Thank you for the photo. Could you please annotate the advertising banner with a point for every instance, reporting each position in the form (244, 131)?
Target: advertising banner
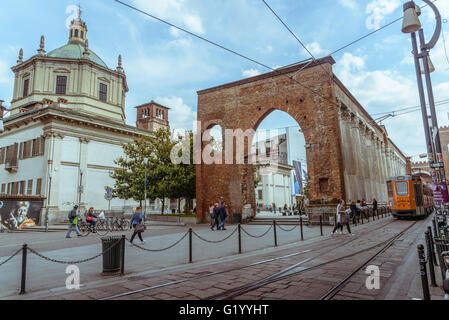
(17, 214)
(440, 194)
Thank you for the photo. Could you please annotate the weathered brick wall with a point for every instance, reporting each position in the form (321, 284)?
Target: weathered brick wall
(244, 104)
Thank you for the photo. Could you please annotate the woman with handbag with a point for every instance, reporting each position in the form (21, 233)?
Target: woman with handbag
(136, 223)
(344, 220)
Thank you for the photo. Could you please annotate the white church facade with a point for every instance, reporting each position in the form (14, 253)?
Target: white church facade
(66, 126)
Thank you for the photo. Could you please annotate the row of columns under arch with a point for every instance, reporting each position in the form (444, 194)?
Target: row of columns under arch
(369, 158)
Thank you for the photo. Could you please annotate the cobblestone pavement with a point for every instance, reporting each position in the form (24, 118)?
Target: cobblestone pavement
(215, 278)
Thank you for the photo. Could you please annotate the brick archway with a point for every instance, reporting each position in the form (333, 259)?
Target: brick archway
(244, 104)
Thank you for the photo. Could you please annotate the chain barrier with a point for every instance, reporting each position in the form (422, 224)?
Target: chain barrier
(257, 236)
(215, 241)
(72, 262)
(13, 255)
(158, 250)
(279, 226)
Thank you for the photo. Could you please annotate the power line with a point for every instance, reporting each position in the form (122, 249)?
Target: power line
(408, 108)
(226, 49)
(294, 35)
(444, 44)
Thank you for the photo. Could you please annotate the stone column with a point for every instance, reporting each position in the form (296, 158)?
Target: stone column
(52, 158)
(83, 168)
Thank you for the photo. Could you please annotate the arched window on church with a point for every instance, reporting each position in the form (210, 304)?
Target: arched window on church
(76, 33)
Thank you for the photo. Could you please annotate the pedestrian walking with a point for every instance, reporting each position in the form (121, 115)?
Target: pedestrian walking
(344, 219)
(340, 210)
(375, 206)
(223, 216)
(136, 224)
(216, 213)
(73, 222)
(353, 208)
(212, 216)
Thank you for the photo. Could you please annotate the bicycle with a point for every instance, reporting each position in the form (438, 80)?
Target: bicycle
(120, 224)
(102, 227)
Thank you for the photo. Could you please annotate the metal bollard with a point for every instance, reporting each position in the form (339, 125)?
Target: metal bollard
(423, 270)
(432, 245)
(361, 216)
(190, 245)
(122, 265)
(321, 225)
(240, 237)
(302, 233)
(275, 234)
(435, 228)
(24, 268)
(429, 258)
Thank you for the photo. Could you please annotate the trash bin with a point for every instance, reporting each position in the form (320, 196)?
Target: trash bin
(112, 257)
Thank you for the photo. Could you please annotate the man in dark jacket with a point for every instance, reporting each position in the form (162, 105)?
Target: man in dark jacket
(216, 214)
(72, 215)
(223, 216)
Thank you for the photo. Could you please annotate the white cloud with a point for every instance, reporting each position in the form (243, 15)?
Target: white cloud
(351, 4)
(378, 10)
(386, 87)
(180, 115)
(250, 73)
(315, 49)
(4, 72)
(174, 10)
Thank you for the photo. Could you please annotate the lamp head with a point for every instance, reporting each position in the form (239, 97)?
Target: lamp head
(411, 23)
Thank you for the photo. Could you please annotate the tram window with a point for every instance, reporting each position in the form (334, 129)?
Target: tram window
(390, 189)
(402, 188)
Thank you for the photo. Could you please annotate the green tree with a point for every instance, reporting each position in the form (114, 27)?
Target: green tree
(165, 179)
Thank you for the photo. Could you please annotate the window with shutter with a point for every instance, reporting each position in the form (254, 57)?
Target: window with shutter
(22, 187)
(38, 186)
(9, 188)
(15, 188)
(42, 146)
(3, 188)
(30, 187)
(26, 84)
(61, 84)
(21, 151)
(35, 148)
(103, 92)
(2, 155)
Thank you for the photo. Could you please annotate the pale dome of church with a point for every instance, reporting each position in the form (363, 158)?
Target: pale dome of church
(75, 51)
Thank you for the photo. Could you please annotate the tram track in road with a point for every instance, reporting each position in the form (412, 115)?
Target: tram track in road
(291, 272)
(331, 246)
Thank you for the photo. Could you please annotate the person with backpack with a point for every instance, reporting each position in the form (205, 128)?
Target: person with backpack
(73, 222)
(136, 224)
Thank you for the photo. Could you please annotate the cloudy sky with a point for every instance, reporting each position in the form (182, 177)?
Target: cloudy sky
(169, 66)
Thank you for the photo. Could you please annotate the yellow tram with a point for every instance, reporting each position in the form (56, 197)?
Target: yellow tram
(409, 196)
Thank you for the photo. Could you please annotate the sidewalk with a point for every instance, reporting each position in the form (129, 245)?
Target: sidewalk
(46, 275)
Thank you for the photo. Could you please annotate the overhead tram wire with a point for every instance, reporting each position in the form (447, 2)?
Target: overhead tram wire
(257, 62)
(296, 37)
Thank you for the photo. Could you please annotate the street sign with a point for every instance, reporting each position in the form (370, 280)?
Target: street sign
(436, 165)
(108, 194)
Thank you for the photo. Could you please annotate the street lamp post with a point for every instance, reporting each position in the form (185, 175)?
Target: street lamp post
(411, 24)
(145, 160)
(80, 190)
